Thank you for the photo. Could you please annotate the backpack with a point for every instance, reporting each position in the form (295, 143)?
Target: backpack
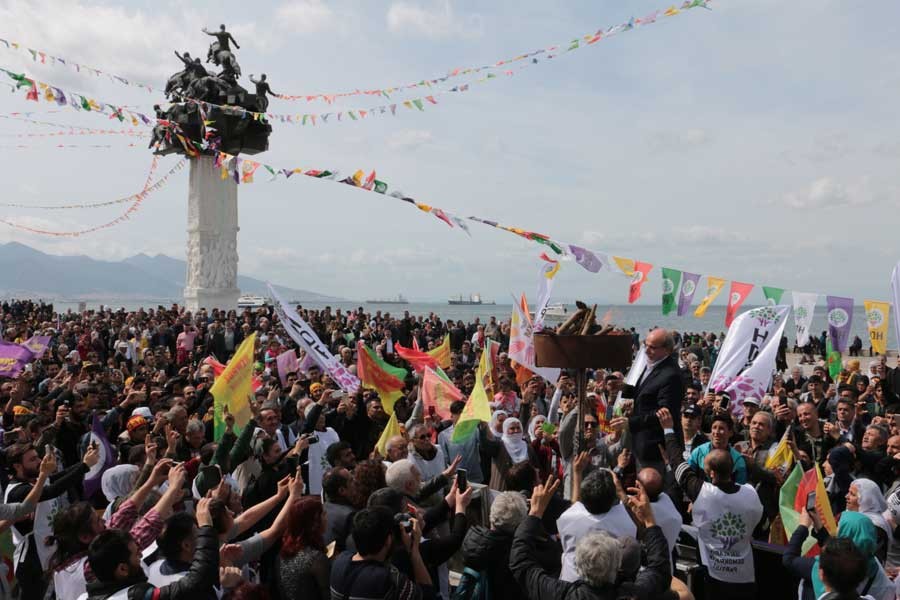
(473, 585)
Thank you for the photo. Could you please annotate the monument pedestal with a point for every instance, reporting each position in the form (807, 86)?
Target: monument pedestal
(212, 257)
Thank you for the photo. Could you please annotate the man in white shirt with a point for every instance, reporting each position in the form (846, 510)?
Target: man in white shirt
(597, 509)
(667, 516)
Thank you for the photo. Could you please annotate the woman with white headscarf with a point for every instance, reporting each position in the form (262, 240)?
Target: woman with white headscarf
(865, 497)
(116, 483)
(512, 449)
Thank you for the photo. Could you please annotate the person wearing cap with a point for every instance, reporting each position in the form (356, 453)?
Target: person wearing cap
(691, 428)
(742, 427)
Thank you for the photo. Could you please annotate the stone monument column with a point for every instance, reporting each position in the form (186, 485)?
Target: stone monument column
(212, 256)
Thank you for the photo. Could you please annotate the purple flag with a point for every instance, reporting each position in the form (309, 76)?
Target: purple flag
(38, 344)
(13, 359)
(686, 296)
(839, 314)
(107, 459)
(586, 258)
(287, 363)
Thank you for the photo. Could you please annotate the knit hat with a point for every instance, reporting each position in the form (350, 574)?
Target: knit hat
(135, 423)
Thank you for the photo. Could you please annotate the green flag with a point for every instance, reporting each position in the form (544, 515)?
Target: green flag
(834, 359)
(773, 295)
(670, 284)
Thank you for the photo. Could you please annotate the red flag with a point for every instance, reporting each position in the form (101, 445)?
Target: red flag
(641, 271)
(438, 393)
(417, 359)
(442, 216)
(736, 296)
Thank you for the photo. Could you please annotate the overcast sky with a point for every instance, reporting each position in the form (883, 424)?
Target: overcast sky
(757, 141)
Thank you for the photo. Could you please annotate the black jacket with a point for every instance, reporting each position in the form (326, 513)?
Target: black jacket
(198, 583)
(660, 388)
(651, 582)
(488, 550)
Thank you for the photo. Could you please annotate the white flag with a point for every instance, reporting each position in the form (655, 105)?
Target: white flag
(521, 343)
(747, 358)
(895, 288)
(804, 307)
(306, 338)
(545, 289)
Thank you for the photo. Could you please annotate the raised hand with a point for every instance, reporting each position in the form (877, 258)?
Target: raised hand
(92, 456)
(665, 418)
(48, 463)
(541, 496)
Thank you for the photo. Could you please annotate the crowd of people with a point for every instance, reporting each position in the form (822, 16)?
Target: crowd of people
(300, 503)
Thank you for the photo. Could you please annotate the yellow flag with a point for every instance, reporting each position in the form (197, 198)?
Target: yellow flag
(390, 430)
(715, 287)
(442, 353)
(234, 387)
(625, 264)
(877, 316)
(477, 407)
(782, 459)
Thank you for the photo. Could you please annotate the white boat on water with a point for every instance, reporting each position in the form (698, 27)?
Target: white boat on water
(252, 301)
(557, 311)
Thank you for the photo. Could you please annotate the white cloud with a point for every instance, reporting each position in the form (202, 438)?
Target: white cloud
(305, 16)
(409, 139)
(437, 21)
(826, 192)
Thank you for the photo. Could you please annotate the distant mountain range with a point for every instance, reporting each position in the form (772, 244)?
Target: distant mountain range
(26, 272)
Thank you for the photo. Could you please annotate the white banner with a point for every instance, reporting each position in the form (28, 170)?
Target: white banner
(804, 307)
(747, 358)
(521, 344)
(895, 288)
(545, 288)
(307, 339)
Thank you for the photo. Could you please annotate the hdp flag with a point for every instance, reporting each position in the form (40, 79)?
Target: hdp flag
(234, 388)
(477, 406)
(736, 296)
(688, 288)
(715, 285)
(839, 316)
(13, 359)
(374, 373)
(107, 458)
(877, 316)
(773, 295)
(38, 344)
(670, 285)
(641, 271)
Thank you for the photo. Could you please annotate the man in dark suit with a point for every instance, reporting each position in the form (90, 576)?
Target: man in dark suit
(659, 386)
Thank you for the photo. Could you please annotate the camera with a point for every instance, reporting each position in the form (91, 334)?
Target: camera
(404, 520)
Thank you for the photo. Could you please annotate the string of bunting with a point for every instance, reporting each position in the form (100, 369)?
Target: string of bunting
(154, 164)
(134, 207)
(71, 146)
(129, 133)
(50, 93)
(45, 58)
(531, 58)
(679, 286)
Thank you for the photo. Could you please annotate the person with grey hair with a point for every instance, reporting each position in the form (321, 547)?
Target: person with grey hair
(597, 557)
(485, 550)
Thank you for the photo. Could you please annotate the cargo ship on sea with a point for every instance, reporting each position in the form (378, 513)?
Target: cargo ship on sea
(398, 300)
(473, 300)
